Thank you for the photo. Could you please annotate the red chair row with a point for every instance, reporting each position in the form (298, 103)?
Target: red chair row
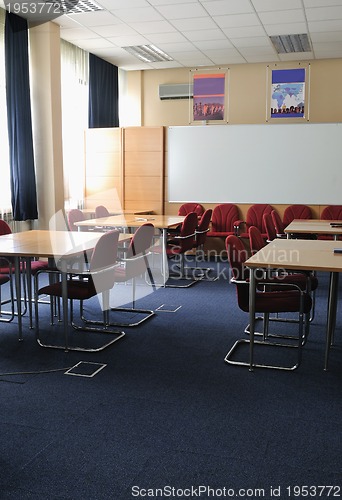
(226, 220)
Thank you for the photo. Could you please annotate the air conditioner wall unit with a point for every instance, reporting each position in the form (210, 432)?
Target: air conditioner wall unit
(175, 91)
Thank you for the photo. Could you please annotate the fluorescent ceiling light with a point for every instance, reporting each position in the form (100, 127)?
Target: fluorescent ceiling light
(148, 53)
(287, 44)
(80, 6)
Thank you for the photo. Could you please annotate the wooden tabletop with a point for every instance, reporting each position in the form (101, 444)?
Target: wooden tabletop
(299, 254)
(314, 226)
(159, 221)
(45, 243)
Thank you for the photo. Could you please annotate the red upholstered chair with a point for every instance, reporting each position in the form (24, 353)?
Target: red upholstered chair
(305, 281)
(7, 268)
(270, 227)
(97, 279)
(222, 221)
(256, 240)
(286, 298)
(178, 245)
(101, 211)
(254, 217)
(278, 224)
(132, 265)
(296, 212)
(203, 229)
(186, 208)
(75, 215)
(331, 212)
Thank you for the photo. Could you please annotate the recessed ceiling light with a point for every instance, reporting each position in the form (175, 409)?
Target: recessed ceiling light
(287, 44)
(148, 53)
(80, 6)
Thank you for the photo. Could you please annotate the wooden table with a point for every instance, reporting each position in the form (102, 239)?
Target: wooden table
(161, 222)
(53, 245)
(91, 212)
(314, 226)
(308, 255)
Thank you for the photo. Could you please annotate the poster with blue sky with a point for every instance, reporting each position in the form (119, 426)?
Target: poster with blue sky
(288, 93)
(209, 97)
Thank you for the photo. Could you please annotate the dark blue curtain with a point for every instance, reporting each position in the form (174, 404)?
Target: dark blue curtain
(103, 93)
(23, 181)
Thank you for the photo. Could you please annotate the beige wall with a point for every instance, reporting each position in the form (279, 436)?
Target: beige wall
(247, 100)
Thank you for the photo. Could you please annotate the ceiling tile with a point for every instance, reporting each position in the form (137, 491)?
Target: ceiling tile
(183, 11)
(202, 35)
(246, 31)
(222, 7)
(286, 29)
(237, 20)
(97, 18)
(172, 37)
(324, 13)
(316, 26)
(321, 3)
(253, 41)
(213, 44)
(140, 14)
(282, 17)
(153, 27)
(272, 5)
(198, 23)
(114, 30)
(127, 41)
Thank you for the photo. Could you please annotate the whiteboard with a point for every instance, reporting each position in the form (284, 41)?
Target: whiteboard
(268, 163)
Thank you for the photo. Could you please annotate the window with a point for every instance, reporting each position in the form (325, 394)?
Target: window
(74, 88)
(5, 190)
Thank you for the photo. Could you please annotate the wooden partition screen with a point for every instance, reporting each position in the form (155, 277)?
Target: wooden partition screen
(125, 168)
(143, 161)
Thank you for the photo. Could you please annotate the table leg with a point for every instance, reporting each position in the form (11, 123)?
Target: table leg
(331, 319)
(164, 259)
(17, 278)
(252, 291)
(65, 301)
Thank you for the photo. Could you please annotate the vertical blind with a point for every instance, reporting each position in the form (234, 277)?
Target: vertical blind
(74, 89)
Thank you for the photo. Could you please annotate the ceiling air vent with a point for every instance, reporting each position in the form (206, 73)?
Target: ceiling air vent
(289, 44)
(175, 91)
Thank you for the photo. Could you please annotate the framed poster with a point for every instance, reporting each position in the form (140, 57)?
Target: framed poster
(288, 94)
(209, 102)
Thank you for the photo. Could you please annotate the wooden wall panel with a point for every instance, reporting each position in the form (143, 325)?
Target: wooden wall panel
(144, 168)
(126, 167)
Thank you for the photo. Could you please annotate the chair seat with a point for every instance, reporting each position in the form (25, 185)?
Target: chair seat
(77, 290)
(279, 302)
(219, 234)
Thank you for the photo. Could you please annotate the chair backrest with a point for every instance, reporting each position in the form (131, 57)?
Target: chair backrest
(255, 215)
(75, 215)
(332, 212)
(270, 227)
(139, 247)
(256, 241)
(237, 256)
(101, 211)
(4, 228)
(224, 216)
(278, 223)
(296, 212)
(187, 232)
(103, 260)
(203, 227)
(186, 208)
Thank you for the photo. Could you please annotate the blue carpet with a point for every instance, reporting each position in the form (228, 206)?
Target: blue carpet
(166, 411)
